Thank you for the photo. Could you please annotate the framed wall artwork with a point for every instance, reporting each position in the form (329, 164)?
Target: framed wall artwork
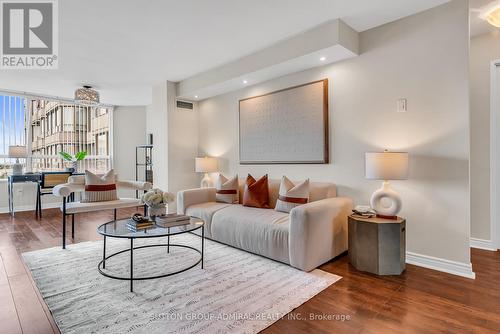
(289, 126)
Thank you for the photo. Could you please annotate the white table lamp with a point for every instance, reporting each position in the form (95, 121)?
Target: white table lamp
(386, 166)
(17, 152)
(206, 165)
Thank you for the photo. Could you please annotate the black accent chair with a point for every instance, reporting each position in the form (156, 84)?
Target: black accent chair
(48, 180)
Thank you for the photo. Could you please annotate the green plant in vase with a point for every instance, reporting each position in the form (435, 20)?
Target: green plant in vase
(73, 159)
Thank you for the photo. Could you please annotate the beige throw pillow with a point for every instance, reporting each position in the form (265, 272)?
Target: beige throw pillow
(291, 195)
(226, 191)
(99, 188)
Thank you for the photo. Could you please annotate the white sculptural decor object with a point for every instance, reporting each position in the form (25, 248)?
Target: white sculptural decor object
(206, 165)
(386, 166)
(17, 152)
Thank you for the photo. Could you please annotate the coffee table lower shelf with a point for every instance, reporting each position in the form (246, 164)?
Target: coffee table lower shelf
(164, 232)
(131, 278)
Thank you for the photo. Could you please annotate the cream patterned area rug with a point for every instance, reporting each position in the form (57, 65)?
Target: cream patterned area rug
(237, 292)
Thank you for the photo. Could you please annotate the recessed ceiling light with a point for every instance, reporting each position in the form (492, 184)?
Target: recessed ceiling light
(322, 58)
(245, 82)
(196, 96)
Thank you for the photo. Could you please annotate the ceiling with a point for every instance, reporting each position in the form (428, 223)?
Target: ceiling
(477, 25)
(122, 47)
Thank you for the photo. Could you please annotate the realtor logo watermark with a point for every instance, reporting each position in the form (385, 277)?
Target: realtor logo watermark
(29, 34)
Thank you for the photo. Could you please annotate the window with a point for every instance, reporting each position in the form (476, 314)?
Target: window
(12, 129)
(68, 118)
(102, 144)
(47, 127)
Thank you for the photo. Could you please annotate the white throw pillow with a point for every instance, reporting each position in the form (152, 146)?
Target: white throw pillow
(99, 188)
(226, 191)
(291, 195)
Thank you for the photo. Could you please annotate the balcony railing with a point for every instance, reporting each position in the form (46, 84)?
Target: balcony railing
(38, 143)
(49, 106)
(100, 123)
(39, 113)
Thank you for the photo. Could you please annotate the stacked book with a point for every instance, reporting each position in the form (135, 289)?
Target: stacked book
(134, 226)
(172, 219)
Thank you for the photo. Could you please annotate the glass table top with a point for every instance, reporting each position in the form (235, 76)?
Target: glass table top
(120, 228)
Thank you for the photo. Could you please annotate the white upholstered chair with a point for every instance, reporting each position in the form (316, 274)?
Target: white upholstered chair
(77, 184)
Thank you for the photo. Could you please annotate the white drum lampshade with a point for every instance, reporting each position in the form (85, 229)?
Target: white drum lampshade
(386, 166)
(206, 165)
(17, 152)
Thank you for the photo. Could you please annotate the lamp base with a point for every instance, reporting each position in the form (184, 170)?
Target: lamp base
(206, 182)
(386, 194)
(17, 169)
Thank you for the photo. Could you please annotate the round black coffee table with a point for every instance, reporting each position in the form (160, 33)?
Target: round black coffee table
(120, 229)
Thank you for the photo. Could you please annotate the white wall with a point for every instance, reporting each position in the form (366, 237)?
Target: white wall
(423, 58)
(175, 141)
(157, 124)
(483, 50)
(129, 131)
(183, 148)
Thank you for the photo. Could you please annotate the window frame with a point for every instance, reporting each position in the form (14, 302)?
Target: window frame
(29, 128)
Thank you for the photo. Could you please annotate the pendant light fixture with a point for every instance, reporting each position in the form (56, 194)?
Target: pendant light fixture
(87, 95)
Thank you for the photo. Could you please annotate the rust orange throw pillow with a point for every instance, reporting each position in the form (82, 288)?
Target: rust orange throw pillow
(256, 193)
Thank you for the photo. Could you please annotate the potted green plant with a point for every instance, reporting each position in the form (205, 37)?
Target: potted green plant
(73, 159)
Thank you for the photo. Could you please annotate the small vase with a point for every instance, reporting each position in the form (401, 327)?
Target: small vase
(74, 165)
(156, 210)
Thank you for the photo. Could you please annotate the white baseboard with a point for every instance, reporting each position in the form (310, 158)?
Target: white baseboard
(30, 207)
(447, 266)
(482, 244)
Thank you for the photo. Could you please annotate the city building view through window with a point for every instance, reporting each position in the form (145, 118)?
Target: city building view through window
(45, 128)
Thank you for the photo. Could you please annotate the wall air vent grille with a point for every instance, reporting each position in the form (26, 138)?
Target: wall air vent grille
(184, 105)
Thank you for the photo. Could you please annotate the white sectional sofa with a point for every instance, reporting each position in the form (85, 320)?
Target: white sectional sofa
(309, 236)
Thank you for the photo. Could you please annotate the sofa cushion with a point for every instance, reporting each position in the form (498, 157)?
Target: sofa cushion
(256, 192)
(292, 195)
(205, 211)
(99, 188)
(317, 191)
(260, 231)
(80, 179)
(79, 207)
(226, 191)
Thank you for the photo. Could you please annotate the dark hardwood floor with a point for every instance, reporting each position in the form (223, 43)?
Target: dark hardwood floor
(419, 301)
